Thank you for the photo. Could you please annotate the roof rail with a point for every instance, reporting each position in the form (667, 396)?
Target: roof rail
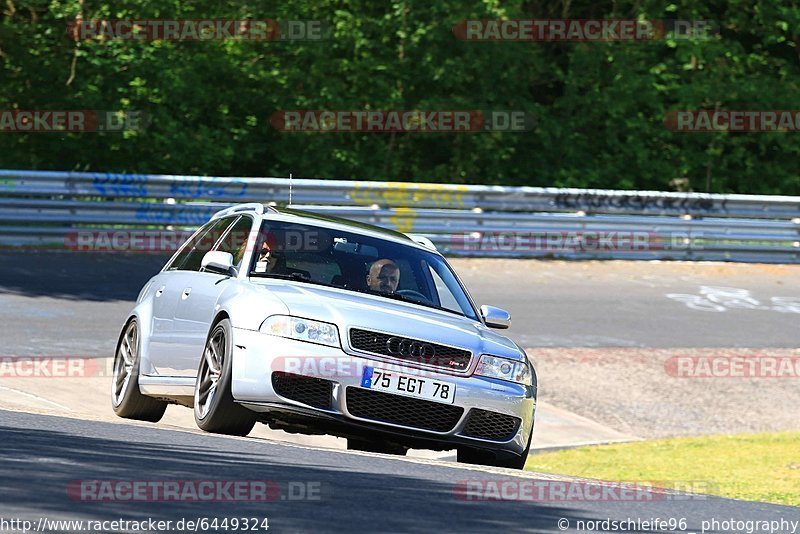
(250, 206)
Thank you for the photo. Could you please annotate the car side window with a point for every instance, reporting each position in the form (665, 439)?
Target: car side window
(235, 240)
(187, 247)
(203, 244)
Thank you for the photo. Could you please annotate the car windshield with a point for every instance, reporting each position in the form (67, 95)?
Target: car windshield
(359, 263)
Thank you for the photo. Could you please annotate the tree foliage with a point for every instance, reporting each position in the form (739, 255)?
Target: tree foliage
(599, 106)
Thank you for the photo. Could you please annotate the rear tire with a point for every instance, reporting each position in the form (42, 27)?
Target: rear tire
(214, 407)
(126, 399)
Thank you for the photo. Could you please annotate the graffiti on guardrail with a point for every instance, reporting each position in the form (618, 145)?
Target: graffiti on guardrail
(588, 201)
(722, 299)
(403, 219)
(131, 185)
(184, 215)
(754, 228)
(208, 189)
(409, 194)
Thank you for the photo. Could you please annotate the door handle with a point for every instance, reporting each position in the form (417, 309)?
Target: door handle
(160, 291)
(186, 292)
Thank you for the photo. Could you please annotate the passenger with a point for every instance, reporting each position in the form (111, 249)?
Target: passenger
(383, 276)
(267, 259)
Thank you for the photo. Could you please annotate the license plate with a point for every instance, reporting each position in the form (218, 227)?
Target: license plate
(413, 386)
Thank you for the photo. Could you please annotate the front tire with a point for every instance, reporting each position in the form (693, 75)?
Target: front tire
(214, 407)
(126, 399)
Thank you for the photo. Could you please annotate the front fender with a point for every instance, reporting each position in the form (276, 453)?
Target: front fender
(143, 313)
(247, 306)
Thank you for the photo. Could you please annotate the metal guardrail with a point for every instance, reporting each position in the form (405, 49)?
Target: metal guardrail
(42, 207)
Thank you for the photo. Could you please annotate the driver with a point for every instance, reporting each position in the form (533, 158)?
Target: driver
(383, 276)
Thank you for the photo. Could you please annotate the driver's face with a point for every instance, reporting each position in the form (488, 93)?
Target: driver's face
(385, 278)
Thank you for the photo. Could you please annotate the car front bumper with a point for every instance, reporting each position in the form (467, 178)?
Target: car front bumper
(256, 356)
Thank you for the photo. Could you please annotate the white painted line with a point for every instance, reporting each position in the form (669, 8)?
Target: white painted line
(36, 397)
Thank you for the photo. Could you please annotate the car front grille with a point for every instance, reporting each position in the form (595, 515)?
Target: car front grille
(400, 410)
(490, 425)
(412, 350)
(315, 392)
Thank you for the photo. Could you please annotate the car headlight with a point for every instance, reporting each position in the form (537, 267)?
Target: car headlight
(301, 329)
(505, 369)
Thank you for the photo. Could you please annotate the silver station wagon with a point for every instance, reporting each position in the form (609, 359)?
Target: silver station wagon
(319, 325)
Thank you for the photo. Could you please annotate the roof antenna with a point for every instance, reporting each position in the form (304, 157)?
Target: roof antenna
(290, 189)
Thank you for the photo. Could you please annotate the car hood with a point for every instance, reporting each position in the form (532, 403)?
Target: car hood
(372, 312)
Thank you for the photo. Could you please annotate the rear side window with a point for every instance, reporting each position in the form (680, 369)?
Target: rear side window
(190, 256)
(186, 248)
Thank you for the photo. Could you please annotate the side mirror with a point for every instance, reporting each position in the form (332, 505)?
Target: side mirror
(218, 262)
(495, 317)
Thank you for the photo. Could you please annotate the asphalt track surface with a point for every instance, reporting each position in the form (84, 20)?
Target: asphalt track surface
(44, 455)
(624, 304)
(54, 303)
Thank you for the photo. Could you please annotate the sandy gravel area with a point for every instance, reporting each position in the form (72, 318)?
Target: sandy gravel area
(675, 392)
